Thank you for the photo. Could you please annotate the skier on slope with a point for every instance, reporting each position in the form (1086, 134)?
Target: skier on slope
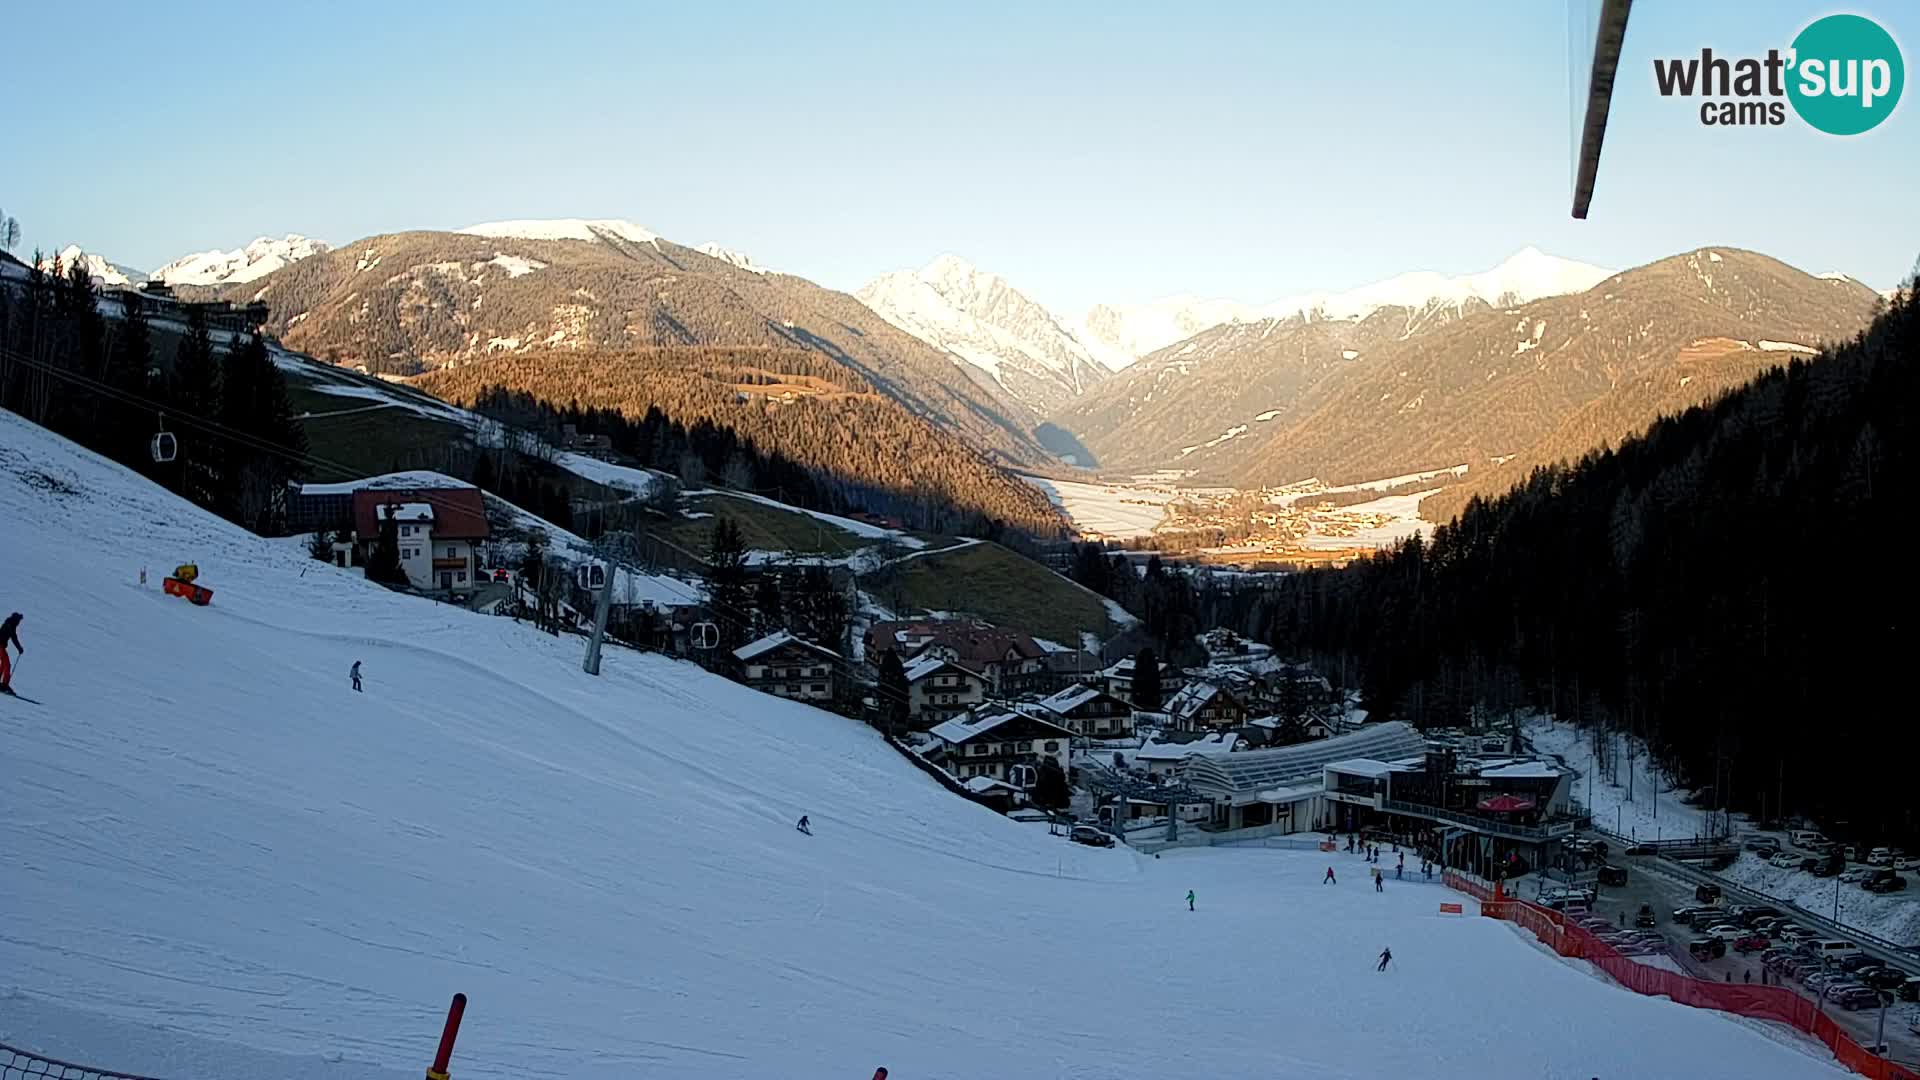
(803, 825)
(1189, 899)
(1328, 880)
(9, 634)
(354, 674)
(1379, 883)
(1386, 957)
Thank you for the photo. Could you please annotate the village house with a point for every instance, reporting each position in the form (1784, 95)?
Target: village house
(1000, 744)
(1205, 706)
(938, 689)
(1091, 712)
(1119, 679)
(1065, 667)
(1012, 662)
(437, 530)
(1225, 647)
(786, 666)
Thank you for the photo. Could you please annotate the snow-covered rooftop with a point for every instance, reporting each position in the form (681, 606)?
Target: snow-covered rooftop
(413, 511)
(1071, 698)
(1360, 767)
(1523, 770)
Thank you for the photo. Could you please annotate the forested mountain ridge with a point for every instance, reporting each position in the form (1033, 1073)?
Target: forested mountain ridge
(1564, 374)
(1724, 584)
(406, 302)
(764, 419)
(1404, 390)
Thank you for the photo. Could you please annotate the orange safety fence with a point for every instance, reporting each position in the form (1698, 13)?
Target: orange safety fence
(1776, 1003)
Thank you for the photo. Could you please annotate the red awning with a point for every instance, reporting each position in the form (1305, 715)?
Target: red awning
(1506, 804)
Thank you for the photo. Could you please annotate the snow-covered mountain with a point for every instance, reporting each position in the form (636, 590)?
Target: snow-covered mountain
(97, 266)
(733, 258)
(258, 259)
(979, 318)
(595, 230)
(1530, 274)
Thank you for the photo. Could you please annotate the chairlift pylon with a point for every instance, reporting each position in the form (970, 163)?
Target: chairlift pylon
(164, 446)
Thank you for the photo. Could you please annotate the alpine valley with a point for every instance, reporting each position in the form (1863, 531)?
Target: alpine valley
(1435, 385)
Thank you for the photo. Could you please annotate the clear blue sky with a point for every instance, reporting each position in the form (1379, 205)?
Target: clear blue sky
(1088, 151)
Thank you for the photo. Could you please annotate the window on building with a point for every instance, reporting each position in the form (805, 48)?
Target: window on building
(459, 575)
(451, 555)
(819, 688)
(1053, 746)
(978, 749)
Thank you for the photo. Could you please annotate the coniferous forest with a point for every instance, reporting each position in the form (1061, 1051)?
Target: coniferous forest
(1728, 585)
(112, 383)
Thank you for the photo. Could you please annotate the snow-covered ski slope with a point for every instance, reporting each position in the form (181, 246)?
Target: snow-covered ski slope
(218, 862)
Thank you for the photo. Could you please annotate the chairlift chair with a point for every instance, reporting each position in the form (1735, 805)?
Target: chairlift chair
(164, 445)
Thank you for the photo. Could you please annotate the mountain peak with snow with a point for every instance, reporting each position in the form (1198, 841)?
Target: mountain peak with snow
(739, 259)
(256, 260)
(594, 230)
(985, 322)
(1528, 274)
(97, 266)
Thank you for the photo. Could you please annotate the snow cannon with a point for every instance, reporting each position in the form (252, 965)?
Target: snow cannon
(183, 583)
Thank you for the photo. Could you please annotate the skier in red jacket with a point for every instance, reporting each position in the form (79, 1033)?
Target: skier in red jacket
(9, 634)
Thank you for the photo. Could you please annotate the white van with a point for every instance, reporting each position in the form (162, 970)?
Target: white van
(1880, 857)
(1802, 837)
(1833, 950)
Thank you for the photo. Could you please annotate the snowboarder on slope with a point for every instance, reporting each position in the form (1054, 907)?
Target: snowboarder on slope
(1328, 880)
(1189, 899)
(355, 674)
(9, 635)
(803, 825)
(1386, 957)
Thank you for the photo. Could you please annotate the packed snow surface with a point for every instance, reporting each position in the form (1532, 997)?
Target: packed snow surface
(223, 863)
(1118, 510)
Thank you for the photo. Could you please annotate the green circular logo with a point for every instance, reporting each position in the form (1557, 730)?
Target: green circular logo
(1847, 74)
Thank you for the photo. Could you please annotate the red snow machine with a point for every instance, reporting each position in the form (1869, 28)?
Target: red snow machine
(182, 583)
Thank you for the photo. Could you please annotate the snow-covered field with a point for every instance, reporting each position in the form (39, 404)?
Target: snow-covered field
(1654, 812)
(1398, 518)
(1116, 510)
(222, 863)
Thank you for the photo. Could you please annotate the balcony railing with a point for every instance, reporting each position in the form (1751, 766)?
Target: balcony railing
(1479, 823)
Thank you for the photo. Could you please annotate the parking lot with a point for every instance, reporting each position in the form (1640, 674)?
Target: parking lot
(1665, 893)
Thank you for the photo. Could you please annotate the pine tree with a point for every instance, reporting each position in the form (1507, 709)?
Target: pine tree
(128, 429)
(768, 612)
(1148, 695)
(894, 693)
(196, 389)
(1050, 791)
(384, 565)
(727, 591)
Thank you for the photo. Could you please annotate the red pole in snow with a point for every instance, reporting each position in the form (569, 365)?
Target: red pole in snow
(447, 1035)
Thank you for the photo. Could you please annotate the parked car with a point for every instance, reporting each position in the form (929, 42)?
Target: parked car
(1613, 876)
(1784, 861)
(1750, 943)
(1754, 915)
(1859, 997)
(1884, 881)
(1909, 990)
(1728, 932)
(1827, 866)
(1856, 875)
(1090, 835)
(1902, 862)
(1639, 849)
(1762, 847)
(1646, 917)
(1882, 977)
(1686, 915)
(1852, 853)
(1707, 893)
(1707, 948)
(1880, 857)
(1854, 962)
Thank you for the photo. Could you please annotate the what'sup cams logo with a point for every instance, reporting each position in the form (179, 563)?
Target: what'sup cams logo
(1842, 75)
